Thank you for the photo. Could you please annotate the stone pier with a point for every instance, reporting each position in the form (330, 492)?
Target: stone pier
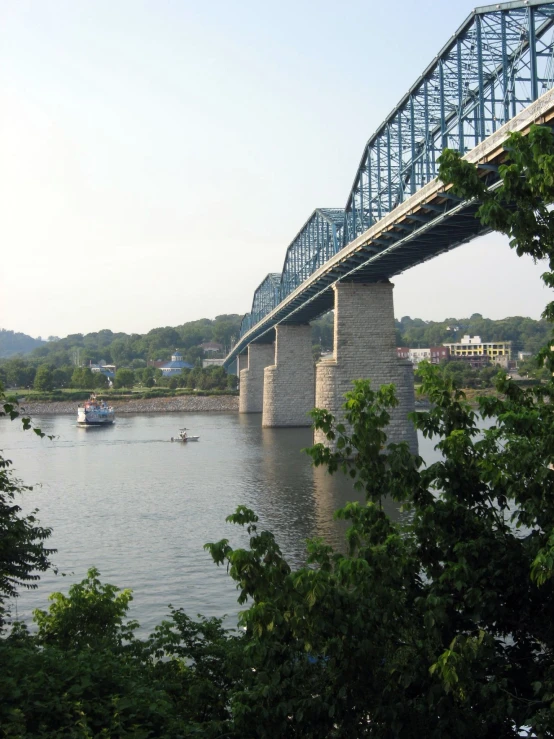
(289, 384)
(252, 377)
(365, 348)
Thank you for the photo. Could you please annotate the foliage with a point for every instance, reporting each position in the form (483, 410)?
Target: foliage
(22, 550)
(12, 342)
(82, 377)
(466, 376)
(520, 207)
(322, 331)
(43, 378)
(440, 625)
(124, 378)
(85, 674)
(526, 334)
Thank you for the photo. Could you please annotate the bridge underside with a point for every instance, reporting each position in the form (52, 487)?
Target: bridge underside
(442, 226)
(405, 250)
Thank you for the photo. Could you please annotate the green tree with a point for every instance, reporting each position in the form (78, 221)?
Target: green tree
(83, 378)
(124, 378)
(439, 625)
(100, 380)
(43, 378)
(23, 553)
(520, 207)
(61, 376)
(19, 373)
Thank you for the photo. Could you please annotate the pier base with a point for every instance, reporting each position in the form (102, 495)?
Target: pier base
(252, 377)
(365, 348)
(289, 384)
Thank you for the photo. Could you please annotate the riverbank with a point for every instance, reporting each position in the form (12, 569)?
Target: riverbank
(180, 404)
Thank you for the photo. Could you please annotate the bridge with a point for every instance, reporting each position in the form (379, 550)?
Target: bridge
(494, 75)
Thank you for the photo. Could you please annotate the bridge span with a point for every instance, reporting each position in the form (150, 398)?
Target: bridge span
(494, 76)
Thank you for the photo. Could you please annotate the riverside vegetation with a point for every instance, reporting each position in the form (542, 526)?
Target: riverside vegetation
(46, 366)
(437, 626)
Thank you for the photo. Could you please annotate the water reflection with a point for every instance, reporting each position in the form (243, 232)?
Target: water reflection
(140, 508)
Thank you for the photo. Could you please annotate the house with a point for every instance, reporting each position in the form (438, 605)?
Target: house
(103, 368)
(169, 369)
(211, 347)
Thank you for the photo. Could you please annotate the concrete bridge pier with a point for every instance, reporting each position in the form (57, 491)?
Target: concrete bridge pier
(289, 384)
(365, 348)
(252, 377)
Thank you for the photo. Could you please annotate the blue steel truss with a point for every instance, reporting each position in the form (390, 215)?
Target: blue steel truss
(266, 298)
(499, 61)
(317, 241)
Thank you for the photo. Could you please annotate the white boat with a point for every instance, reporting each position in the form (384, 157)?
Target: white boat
(183, 436)
(95, 412)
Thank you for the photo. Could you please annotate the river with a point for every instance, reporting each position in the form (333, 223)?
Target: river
(128, 501)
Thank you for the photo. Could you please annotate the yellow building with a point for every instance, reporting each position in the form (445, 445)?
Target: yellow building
(472, 346)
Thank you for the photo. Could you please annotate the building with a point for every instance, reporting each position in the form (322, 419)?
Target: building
(414, 355)
(213, 362)
(211, 347)
(169, 369)
(104, 369)
(472, 346)
(439, 354)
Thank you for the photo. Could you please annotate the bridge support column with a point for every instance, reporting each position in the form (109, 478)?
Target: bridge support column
(252, 378)
(365, 348)
(289, 384)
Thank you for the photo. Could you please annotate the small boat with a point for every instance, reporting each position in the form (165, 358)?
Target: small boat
(183, 436)
(95, 412)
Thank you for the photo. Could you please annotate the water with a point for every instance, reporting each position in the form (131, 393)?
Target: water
(140, 508)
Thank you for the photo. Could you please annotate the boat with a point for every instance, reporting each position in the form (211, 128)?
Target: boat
(95, 412)
(183, 436)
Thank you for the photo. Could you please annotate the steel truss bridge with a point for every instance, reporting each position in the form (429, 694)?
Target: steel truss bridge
(494, 75)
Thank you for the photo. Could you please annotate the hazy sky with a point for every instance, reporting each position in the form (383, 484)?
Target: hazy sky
(158, 156)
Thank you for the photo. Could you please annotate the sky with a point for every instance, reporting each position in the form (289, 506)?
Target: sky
(157, 157)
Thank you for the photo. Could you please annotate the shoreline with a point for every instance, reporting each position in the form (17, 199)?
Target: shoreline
(191, 404)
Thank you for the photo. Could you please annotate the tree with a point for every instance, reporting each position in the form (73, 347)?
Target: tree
(124, 378)
(100, 380)
(22, 540)
(19, 373)
(83, 378)
(436, 626)
(61, 376)
(43, 378)
(520, 207)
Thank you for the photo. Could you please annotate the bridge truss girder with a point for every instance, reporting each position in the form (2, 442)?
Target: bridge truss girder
(318, 240)
(499, 61)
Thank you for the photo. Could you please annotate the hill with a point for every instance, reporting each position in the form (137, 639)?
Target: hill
(17, 343)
